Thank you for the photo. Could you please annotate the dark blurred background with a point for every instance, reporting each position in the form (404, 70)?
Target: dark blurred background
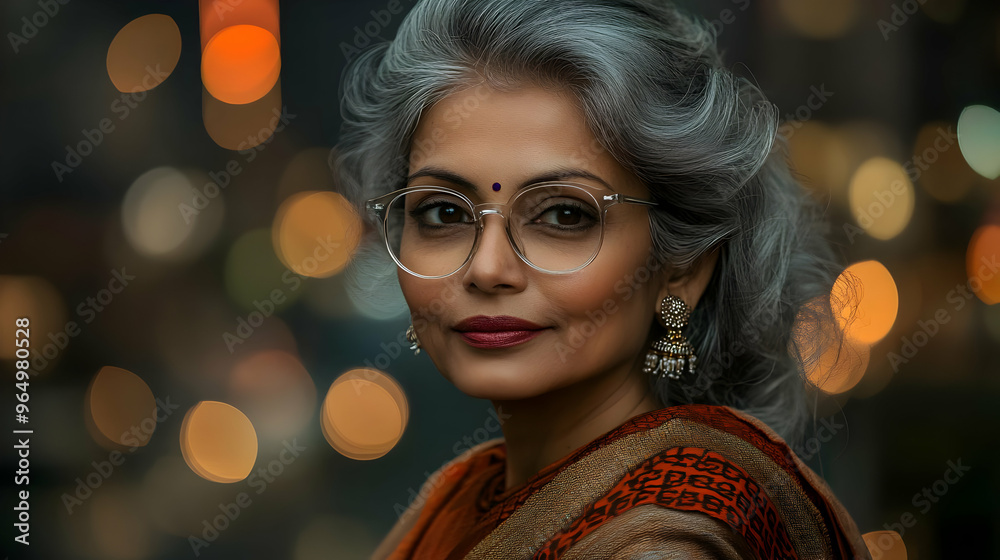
(142, 295)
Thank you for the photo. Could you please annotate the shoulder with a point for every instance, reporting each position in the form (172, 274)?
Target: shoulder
(429, 499)
(650, 532)
(686, 471)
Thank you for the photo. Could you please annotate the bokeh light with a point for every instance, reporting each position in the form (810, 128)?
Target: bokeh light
(316, 233)
(275, 391)
(255, 278)
(832, 362)
(885, 545)
(364, 414)
(163, 218)
(983, 263)
(941, 11)
(865, 301)
(819, 19)
(881, 198)
(121, 407)
(36, 299)
(144, 53)
(218, 442)
(241, 63)
(241, 127)
(979, 138)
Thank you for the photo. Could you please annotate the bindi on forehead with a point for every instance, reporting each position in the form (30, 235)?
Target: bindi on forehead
(496, 187)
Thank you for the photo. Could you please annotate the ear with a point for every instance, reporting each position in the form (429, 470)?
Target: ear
(691, 285)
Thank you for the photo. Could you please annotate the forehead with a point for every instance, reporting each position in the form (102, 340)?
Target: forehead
(487, 135)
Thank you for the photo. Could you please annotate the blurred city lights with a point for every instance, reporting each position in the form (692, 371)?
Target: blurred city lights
(983, 263)
(218, 442)
(819, 19)
(35, 298)
(121, 407)
(152, 220)
(364, 414)
(275, 391)
(881, 198)
(865, 301)
(316, 233)
(240, 63)
(144, 53)
(979, 138)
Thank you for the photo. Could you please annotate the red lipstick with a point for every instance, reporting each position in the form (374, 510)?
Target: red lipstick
(500, 331)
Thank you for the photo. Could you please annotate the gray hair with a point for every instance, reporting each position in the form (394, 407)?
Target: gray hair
(657, 97)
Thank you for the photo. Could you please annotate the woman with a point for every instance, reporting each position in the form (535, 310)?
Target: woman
(593, 229)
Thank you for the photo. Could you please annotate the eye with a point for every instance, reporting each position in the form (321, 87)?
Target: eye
(441, 212)
(563, 215)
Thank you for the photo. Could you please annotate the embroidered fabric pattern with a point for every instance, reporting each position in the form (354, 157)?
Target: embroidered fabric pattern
(689, 479)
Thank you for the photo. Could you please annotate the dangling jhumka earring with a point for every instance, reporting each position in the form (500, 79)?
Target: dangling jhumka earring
(411, 336)
(672, 355)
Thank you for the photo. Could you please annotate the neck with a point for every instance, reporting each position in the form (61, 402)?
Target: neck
(543, 429)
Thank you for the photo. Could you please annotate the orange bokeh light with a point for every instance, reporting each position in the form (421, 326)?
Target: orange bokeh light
(218, 442)
(144, 53)
(364, 414)
(315, 233)
(865, 301)
(120, 407)
(240, 64)
(982, 263)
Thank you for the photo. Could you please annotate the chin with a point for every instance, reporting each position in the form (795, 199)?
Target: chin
(504, 380)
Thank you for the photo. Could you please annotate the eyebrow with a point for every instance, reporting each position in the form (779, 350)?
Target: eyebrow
(556, 174)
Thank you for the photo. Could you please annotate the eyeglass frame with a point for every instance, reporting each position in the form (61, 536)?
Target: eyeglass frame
(377, 206)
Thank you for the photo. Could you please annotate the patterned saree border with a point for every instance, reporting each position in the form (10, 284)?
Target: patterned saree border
(566, 496)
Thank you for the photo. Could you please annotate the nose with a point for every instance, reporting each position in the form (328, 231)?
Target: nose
(495, 267)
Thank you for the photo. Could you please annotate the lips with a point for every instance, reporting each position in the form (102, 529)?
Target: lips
(499, 323)
(501, 331)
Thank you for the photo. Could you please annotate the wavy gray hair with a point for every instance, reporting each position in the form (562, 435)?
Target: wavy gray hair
(658, 98)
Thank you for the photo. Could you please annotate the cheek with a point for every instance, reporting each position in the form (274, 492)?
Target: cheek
(609, 308)
(428, 300)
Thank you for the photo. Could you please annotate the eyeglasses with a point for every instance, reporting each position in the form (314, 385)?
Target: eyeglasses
(554, 227)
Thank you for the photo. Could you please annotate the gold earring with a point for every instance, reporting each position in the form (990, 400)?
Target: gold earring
(411, 336)
(672, 355)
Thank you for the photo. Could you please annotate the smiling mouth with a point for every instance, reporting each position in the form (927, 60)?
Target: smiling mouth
(501, 331)
(499, 339)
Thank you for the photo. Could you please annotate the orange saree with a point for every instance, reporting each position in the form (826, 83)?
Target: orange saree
(691, 481)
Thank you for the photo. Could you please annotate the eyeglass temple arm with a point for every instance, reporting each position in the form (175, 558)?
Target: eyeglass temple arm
(618, 197)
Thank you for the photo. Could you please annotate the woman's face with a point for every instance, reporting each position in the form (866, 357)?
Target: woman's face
(594, 321)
